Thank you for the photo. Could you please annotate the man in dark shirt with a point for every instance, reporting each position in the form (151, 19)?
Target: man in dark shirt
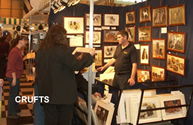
(125, 62)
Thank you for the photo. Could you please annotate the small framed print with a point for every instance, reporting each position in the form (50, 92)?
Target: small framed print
(130, 17)
(76, 41)
(176, 42)
(74, 25)
(98, 58)
(109, 50)
(145, 14)
(144, 34)
(131, 33)
(97, 19)
(159, 16)
(157, 73)
(158, 48)
(110, 36)
(111, 19)
(143, 75)
(96, 37)
(144, 54)
(176, 64)
(177, 15)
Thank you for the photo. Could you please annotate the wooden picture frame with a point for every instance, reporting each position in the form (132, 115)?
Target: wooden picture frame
(104, 112)
(143, 75)
(157, 73)
(158, 49)
(110, 36)
(177, 15)
(160, 16)
(74, 25)
(130, 17)
(144, 54)
(97, 19)
(144, 34)
(109, 50)
(76, 41)
(176, 42)
(98, 58)
(111, 19)
(96, 37)
(145, 14)
(131, 33)
(176, 64)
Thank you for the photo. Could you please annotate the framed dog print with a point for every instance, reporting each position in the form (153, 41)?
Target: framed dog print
(96, 19)
(157, 73)
(74, 25)
(177, 15)
(176, 41)
(144, 34)
(130, 17)
(158, 49)
(109, 50)
(111, 19)
(131, 33)
(176, 64)
(144, 54)
(145, 14)
(159, 16)
(143, 75)
(110, 36)
(96, 37)
(98, 58)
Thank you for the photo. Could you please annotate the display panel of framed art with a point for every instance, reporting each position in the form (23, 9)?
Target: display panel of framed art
(109, 50)
(104, 112)
(144, 34)
(97, 19)
(111, 19)
(176, 64)
(145, 14)
(177, 15)
(76, 41)
(131, 33)
(176, 42)
(143, 75)
(98, 58)
(110, 36)
(96, 37)
(144, 54)
(130, 17)
(157, 73)
(159, 16)
(74, 25)
(158, 49)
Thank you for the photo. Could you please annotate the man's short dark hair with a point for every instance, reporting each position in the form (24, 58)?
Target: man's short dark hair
(123, 33)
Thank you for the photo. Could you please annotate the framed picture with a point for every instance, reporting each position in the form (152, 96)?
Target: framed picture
(144, 54)
(158, 49)
(98, 58)
(145, 14)
(109, 50)
(97, 19)
(111, 19)
(176, 64)
(157, 73)
(177, 15)
(159, 16)
(110, 36)
(96, 37)
(131, 33)
(104, 112)
(176, 42)
(74, 25)
(76, 41)
(130, 17)
(144, 34)
(143, 75)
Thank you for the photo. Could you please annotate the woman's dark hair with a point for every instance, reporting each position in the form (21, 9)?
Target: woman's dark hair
(16, 41)
(55, 36)
(2, 39)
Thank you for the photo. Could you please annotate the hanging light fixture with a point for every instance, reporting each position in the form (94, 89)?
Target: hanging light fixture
(72, 2)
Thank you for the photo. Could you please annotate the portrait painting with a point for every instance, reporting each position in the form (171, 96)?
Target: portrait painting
(109, 50)
(131, 33)
(157, 73)
(110, 36)
(158, 48)
(145, 14)
(98, 58)
(97, 19)
(96, 37)
(130, 17)
(177, 15)
(111, 19)
(143, 75)
(144, 54)
(176, 42)
(159, 16)
(144, 34)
